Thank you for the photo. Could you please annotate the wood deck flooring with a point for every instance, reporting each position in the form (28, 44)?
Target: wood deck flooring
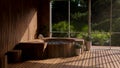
(97, 57)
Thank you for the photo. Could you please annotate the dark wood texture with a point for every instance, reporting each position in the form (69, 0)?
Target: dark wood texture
(14, 56)
(43, 16)
(31, 50)
(60, 47)
(18, 22)
(60, 50)
(98, 57)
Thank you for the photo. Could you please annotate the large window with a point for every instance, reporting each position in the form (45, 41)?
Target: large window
(101, 20)
(75, 18)
(69, 18)
(115, 37)
(60, 24)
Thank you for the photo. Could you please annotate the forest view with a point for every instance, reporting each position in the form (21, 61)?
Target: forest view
(102, 29)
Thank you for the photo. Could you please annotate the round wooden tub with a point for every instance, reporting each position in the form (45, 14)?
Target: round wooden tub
(60, 47)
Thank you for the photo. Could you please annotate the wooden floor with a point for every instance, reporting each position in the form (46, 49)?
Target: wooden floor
(98, 57)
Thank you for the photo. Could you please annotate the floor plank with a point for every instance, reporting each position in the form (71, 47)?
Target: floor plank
(97, 57)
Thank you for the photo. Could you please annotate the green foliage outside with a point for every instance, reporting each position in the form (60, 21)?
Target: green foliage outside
(62, 26)
(77, 45)
(100, 21)
(116, 28)
(100, 38)
(116, 24)
(79, 21)
(97, 37)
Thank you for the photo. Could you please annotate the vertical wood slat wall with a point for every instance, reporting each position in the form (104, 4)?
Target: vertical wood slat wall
(18, 22)
(43, 18)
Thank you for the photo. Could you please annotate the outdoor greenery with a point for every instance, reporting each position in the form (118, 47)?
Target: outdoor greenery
(62, 26)
(77, 45)
(80, 20)
(97, 38)
(100, 34)
(100, 38)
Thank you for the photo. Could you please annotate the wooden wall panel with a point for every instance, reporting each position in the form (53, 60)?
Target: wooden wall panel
(43, 18)
(32, 27)
(18, 22)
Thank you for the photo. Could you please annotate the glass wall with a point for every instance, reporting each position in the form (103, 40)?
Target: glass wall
(60, 19)
(115, 38)
(69, 18)
(79, 18)
(101, 22)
